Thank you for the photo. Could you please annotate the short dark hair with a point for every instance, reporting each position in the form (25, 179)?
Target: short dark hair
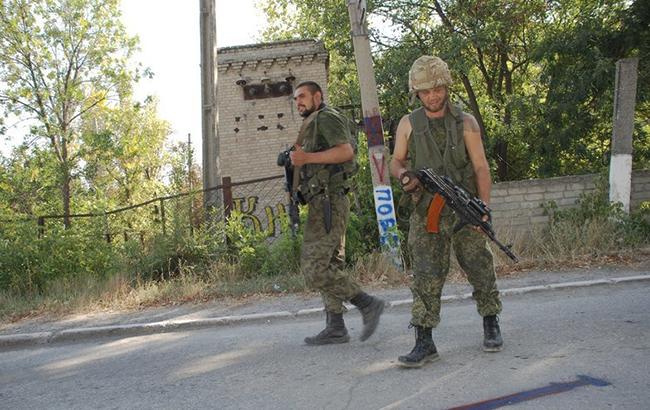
(312, 85)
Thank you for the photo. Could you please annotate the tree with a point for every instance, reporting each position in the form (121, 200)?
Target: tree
(123, 152)
(577, 56)
(328, 22)
(485, 42)
(61, 59)
(487, 45)
(537, 75)
(26, 182)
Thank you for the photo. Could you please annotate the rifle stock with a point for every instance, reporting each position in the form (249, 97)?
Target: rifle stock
(470, 210)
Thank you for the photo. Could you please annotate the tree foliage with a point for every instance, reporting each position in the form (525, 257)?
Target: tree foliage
(328, 22)
(537, 75)
(28, 182)
(123, 151)
(60, 60)
(578, 55)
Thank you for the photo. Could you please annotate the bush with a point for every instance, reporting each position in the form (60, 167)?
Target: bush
(362, 236)
(595, 226)
(28, 263)
(284, 253)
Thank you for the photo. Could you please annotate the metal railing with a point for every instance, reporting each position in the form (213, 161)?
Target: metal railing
(260, 199)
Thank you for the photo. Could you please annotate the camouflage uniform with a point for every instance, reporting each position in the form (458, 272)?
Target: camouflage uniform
(323, 254)
(439, 144)
(430, 257)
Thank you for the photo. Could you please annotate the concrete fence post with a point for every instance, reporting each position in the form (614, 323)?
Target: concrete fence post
(620, 168)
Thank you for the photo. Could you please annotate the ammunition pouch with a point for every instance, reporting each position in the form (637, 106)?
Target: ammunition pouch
(341, 173)
(331, 179)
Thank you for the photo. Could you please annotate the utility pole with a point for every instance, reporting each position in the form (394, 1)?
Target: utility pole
(620, 168)
(209, 111)
(189, 162)
(189, 181)
(377, 152)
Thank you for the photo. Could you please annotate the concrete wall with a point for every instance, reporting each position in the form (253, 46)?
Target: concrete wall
(516, 205)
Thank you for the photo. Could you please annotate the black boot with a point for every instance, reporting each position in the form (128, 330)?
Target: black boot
(334, 332)
(371, 309)
(424, 350)
(492, 341)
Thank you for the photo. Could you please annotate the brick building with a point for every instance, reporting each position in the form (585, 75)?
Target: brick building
(258, 119)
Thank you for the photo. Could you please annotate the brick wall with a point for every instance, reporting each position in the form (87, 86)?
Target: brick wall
(252, 132)
(640, 188)
(516, 205)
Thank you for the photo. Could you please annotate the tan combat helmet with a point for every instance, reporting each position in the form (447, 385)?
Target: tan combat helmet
(428, 72)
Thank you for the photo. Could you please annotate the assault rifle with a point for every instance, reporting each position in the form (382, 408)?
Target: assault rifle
(469, 209)
(284, 160)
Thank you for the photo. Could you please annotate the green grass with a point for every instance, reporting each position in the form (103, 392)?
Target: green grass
(176, 270)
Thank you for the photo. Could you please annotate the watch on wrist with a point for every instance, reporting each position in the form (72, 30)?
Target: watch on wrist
(405, 178)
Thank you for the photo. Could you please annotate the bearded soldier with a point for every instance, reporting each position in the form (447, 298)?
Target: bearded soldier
(325, 160)
(441, 136)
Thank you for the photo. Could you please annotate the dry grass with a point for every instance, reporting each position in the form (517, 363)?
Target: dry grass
(120, 293)
(565, 248)
(377, 269)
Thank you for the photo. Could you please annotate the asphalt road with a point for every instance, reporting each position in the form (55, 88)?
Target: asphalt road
(550, 337)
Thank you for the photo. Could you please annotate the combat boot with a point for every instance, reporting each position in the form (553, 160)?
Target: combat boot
(492, 341)
(371, 309)
(334, 332)
(424, 350)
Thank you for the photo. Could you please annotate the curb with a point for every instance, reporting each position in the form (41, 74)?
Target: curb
(141, 329)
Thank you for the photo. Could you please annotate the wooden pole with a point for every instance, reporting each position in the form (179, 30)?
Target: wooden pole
(210, 115)
(377, 151)
(189, 182)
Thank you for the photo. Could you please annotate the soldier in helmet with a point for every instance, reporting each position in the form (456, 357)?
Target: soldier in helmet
(324, 159)
(441, 136)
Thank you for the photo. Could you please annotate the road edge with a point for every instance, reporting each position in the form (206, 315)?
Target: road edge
(17, 341)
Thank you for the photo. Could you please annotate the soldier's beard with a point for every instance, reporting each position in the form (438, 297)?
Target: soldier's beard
(307, 112)
(436, 107)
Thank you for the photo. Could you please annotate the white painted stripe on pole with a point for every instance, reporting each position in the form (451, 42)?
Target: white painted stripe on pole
(620, 180)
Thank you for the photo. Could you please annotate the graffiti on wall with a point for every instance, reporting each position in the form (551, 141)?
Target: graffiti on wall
(265, 220)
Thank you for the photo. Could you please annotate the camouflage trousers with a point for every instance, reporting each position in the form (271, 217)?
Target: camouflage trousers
(323, 254)
(430, 254)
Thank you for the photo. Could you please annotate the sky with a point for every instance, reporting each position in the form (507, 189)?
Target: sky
(169, 36)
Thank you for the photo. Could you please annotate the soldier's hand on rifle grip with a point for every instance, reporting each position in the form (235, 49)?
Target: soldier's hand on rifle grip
(409, 182)
(486, 218)
(298, 156)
